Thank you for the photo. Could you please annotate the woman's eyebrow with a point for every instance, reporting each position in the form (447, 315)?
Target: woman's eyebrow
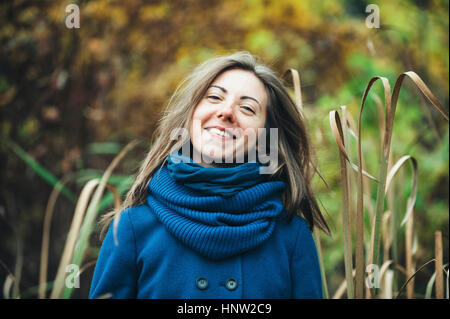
(242, 97)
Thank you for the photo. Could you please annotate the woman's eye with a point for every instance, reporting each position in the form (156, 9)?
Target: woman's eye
(214, 97)
(248, 109)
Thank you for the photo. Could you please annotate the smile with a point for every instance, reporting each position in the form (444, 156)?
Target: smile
(220, 133)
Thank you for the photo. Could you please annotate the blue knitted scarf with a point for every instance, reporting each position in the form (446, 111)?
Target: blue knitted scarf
(216, 227)
(225, 182)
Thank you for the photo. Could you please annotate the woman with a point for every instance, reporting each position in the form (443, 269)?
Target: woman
(211, 214)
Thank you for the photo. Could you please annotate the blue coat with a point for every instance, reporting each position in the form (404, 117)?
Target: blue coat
(149, 262)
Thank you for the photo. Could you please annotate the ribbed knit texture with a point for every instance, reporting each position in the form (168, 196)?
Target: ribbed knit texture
(225, 182)
(214, 226)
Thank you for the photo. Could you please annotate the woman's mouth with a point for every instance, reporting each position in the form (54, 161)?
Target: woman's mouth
(217, 133)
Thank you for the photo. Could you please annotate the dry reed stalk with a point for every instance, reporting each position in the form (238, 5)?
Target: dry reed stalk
(446, 272)
(347, 175)
(368, 201)
(80, 236)
(335, 123)
(46, 236)
(342, 288)
(72, 236)
(386, 291)
(393, 171)
(388, 284)
(87, 265)
(316, 236)
(408, 218)
(412, 199)
(297, 88)
(387, 239)
(412, 277)
(338, 133)
(439, 265)
(381, 116)
(93, 209)
(409, 255)
(348, 119)
(9, 281)
(409, 207)
(391, 231)
(359, 249)
(298, 100)
(366, 187)
(18, 266)
(386, 279)
(430, 284)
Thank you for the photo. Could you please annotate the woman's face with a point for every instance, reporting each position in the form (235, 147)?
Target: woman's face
(234, 106)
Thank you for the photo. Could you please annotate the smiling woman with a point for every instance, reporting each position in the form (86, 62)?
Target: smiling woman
(234, 224)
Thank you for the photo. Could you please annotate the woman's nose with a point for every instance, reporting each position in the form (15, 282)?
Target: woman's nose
(226, 112)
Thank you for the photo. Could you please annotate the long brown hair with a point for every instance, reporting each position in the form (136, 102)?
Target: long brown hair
(295, 156)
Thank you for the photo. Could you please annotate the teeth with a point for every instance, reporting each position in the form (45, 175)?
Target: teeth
(219, 132)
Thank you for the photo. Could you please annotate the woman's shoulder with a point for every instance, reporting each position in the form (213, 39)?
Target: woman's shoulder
(138, 216)
(293, 228)
(134, 222)
(296, 223)
(139, 213)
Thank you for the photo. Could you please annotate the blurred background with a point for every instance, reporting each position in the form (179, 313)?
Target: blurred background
(71, 99)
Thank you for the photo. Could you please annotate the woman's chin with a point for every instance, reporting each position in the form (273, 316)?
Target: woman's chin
(230, 159)
(218, 156)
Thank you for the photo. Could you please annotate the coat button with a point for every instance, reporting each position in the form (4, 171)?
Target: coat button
(201, 283)
(231, 284)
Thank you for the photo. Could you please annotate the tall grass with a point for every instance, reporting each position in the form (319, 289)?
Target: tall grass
(385, 176)
(82, 228)
(88, 205)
